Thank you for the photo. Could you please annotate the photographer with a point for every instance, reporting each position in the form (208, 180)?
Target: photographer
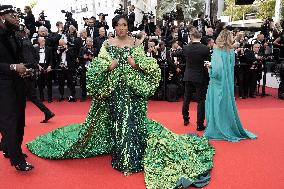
(45, 58)
(71, 35)
(131, 18)
(279, 43)
(200, 23)
(254, 60)
(43, 22)
(30, 21)
(92, 29)
(266, 27)
(98, 41)
(183, 34)
(86, 55)
(66, 62)
(69, 21)
(176, 67)
(102, 22)
(148, 24)
(12, 90)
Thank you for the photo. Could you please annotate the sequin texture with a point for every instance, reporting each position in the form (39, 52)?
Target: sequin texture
(117, 124)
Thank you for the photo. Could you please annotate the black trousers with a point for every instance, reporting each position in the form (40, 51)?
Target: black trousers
(45, 79)
(252, 80)
(31, 95)
(281, 84)
(243, 80)
(66, 74)
(83, 81)
(201, 90)
(12, 117)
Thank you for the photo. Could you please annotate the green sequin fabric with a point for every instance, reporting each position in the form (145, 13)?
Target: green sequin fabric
(117, 124)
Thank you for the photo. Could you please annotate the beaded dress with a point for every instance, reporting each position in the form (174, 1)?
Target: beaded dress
(117, 124)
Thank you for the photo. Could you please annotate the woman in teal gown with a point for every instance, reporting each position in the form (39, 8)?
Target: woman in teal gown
(222, 119)
(120, 79)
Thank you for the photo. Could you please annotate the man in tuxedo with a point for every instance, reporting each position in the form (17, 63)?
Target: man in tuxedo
(195, 76)
(93, 28)
(44, 61)
(131, 18)
(66, 62)
(12, 90)
(200, 23)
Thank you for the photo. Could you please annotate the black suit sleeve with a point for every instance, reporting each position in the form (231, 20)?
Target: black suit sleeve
(4, 67)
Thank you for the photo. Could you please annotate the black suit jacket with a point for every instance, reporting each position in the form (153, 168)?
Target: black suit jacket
(48, 56)
(98, 42)
(9, 53)
(95, 32)
(195, 54)
(131, 20)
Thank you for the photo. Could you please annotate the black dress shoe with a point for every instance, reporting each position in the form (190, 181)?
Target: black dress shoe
(48, 117)
(49, 101)
(186, 123)
(252, 96)
(24, 166)
(200, 128)
(71, 99)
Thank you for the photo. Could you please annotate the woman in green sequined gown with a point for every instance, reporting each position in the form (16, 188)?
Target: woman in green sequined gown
(120, 79)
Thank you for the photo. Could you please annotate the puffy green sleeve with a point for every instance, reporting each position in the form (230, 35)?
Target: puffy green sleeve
(101, 82)
(145, 81)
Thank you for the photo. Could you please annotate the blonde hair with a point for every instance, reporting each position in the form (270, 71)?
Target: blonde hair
(225, 40)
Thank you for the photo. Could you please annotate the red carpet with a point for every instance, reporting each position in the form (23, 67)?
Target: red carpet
(249, 164)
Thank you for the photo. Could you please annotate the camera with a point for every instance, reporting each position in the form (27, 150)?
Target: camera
(42, 16)
(68, 15)
(120, 10)
(89, 53)
(69, 21)
(170, 16)
(103, 15)
(20, 14)
(148, 15)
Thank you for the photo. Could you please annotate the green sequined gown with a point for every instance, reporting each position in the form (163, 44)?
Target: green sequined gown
(117, 124)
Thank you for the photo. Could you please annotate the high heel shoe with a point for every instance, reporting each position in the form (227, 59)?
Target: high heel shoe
(127, 173)
(24, 166)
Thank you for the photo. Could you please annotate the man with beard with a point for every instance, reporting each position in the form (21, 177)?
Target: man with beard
(12, 90)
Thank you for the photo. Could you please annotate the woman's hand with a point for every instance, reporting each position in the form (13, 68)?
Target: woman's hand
(113, 65)
(131, 62)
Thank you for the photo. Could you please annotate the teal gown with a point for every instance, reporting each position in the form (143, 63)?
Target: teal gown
(222, 119)
(117, 124)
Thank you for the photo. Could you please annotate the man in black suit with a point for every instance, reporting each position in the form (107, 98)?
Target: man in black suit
(131, 18)
(30, 21)
(195, 76)
(200, 23)
(66, 62)
(12, 90)
(31, 59)
(98, 41)
(44, 61)
(93, 28)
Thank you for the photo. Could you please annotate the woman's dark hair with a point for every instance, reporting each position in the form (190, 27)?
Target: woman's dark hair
(117, 18)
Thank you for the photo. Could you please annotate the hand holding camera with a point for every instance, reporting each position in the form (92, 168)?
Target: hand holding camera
(207, 64)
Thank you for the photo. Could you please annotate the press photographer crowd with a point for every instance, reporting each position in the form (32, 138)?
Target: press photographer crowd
(52, 58)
